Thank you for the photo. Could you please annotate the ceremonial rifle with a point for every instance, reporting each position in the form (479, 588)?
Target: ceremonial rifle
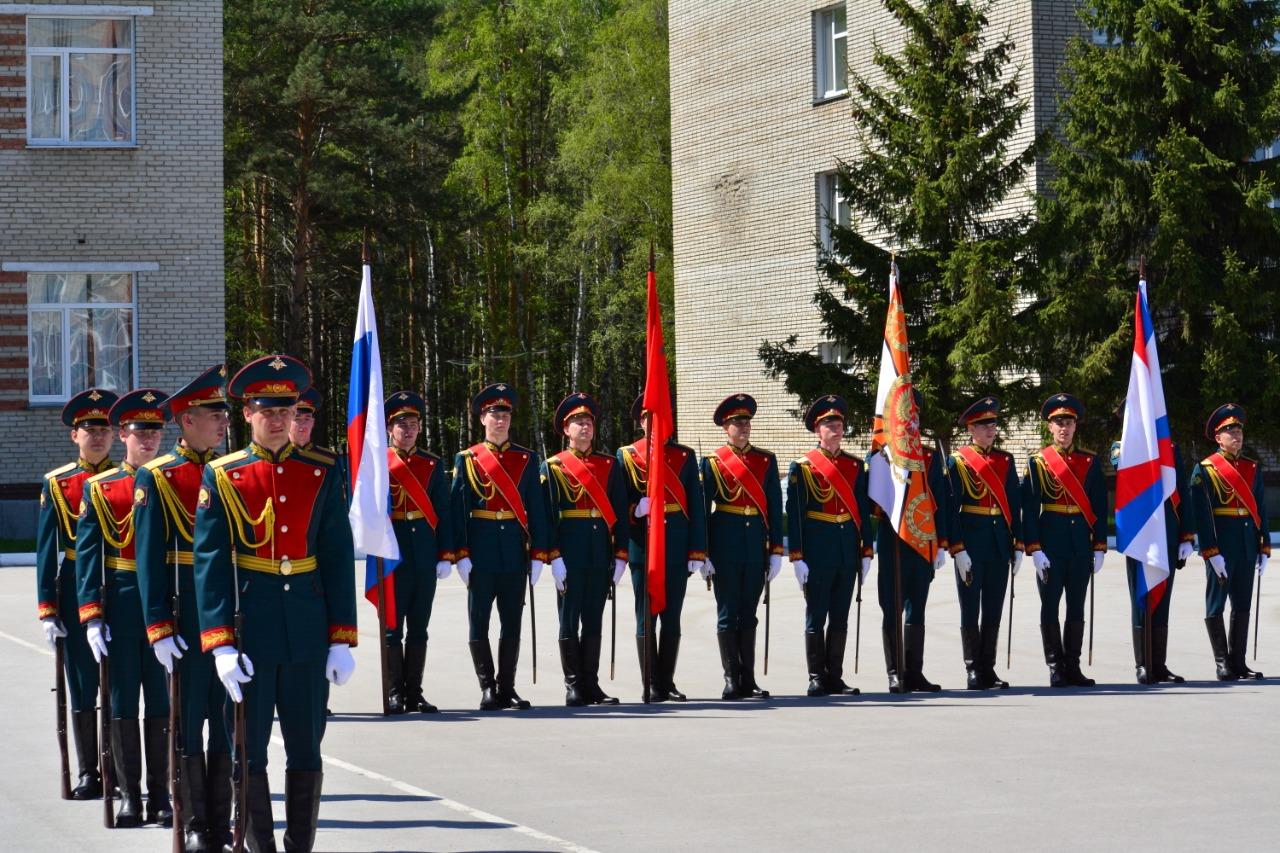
(382, 636)
(105, 756)
(240, 779)
(60, 691)
(175, 717)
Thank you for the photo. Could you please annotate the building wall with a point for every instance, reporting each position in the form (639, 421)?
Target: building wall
(748, 141)
(158, 203)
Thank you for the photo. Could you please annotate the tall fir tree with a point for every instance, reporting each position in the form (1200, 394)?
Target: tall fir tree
(936, 163)
(1166, 154)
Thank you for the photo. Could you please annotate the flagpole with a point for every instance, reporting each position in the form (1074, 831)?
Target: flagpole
(648, 562)
(1091, 574)
(383, 652)
(900, 654)
(1013, 593)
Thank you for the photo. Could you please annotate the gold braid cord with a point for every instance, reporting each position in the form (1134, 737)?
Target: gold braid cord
(238, 514)
(65, 515)
(182, 520)
(117, 532)
(1222, 490)
(1051, 490)
(638, 478)
(485, 489)
(974, 488)
(723, 493)
(821, 494)
(567, 488)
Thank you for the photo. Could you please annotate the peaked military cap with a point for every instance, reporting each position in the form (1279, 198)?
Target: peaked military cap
(735, 406)
(90, 407)
(498, 396)
(576, 403)
(309, 400)
(206, 391)
(830, 406)
(273, 380)
(1228, 414)
(404, 403)
(980, 411)
(141, 407)
(1062, 404)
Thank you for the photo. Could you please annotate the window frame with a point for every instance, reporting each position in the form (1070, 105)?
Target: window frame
(827, 192)
(64, 88)
(824, 39)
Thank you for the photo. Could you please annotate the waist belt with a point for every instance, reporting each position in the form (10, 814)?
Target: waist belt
(121, 564)
(1230, 511)
(995, 510)
(182, 558)
(493, 515)
(831, 517)
(283, 566)
(581, 513)
(671, 507)
(1061, 509)
(734, 509)
(408, 515)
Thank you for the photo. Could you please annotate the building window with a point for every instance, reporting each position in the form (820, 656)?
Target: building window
(830, 53)
(81, 333)
(80, 81)
(833, 208)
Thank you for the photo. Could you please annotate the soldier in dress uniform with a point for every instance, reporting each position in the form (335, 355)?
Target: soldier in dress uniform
(917, 574)
(107, 570)
(686, 544)
(829, 535)
(1231, 521)
(275, 589)
(587, 504)
(304, 423)
(743, 501)
(57, 602)
(1064, 524)
(166, 490)
(420, 517)
(501, 540)
(985, 537)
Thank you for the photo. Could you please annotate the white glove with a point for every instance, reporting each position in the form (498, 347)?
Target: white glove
(775, 566)
(802, 572)
(1184, 551)
(559, 573)
(866, 570)
(706, 569)
(464, 570)
(964, 565)
(1219, 565)
(535, 572)
(939, 559)
(619, 569)
(53, 631)
(169, 650)
(1017, 562)
(642, 507)
(1042, 565)
(1262, 564)
(98, 636)
(1098, 557)
(233, 670)
(442, 569)
(340, 665)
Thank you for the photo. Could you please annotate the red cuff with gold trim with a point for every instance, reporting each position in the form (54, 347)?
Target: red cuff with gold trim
(698, 555)
(45, 609)
(446, 556)
(777, 550)
(868, 552)
(796, 555)
(1187, 537)
(90, 611)
(540, 554)
(1099, 546)
(462, 554)
(214, 638)
(159, 630)
(1209, 552)
(1032, 547)
(344, 634)
(620, 554)
(956, 547)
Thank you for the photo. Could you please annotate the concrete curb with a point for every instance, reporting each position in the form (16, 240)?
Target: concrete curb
(28, 559)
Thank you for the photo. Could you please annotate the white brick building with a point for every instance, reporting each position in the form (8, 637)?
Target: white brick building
(111, 249)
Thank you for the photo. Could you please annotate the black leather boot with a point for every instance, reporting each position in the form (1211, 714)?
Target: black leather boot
(156, 743)
(972, 651)
(84, 731)
(260, 836)
(1159, 653)
(1141, 670)
(195, 813)
(835, 686)
(218, 796)
(482, 660)
(728, 641)
(395, 677)
(989, 638)
(747, 686)
(591, 672)
(1051, 637)
(915, 680)
(1238, 644)
(815, 652)
(668, 652)
(508, 657)
(891, 660)
(415, 664)
(301, 809)
(126, 749)
(1218, 642)
(1072, 643)
(652, 687)
(571, 663)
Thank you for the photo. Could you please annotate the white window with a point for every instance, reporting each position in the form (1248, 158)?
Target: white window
(82, 328)
(832, 352)
(80, 81)
(833, 208)
(830, 53)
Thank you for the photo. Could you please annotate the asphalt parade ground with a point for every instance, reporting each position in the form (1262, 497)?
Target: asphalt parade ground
(1115, 767)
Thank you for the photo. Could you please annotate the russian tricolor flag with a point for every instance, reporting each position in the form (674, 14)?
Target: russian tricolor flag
(1146, 477)
(367, 452)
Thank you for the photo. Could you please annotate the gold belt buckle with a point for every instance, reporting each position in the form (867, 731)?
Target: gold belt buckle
(286, 566)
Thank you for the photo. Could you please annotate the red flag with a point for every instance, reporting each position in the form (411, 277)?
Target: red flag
(657, 402)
